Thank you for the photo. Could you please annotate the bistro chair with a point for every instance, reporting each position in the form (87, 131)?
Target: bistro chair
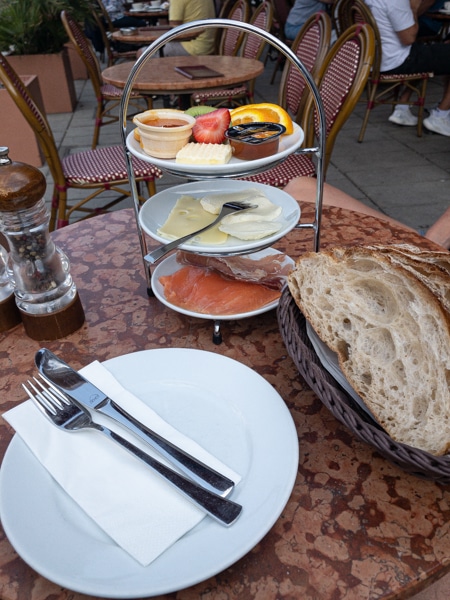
(100, 170)
(113, 55)
(338, 9)
(231, 39)
(382, 88)
(281, 13)
(108, 96)
(310, 46)
(252, 47)
(341, 81)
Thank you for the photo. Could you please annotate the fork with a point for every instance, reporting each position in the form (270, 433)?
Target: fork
(227, 209)
(68, 415)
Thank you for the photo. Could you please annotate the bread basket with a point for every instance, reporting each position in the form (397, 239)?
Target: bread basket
(292, 325)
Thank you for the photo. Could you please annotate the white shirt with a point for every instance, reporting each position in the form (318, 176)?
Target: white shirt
(392, 16)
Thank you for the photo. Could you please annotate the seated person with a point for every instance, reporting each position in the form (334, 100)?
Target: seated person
(300, 13)
(304, 189)
(115, 11)
(397, 21)
(186, 11)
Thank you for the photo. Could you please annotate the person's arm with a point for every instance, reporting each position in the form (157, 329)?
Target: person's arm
(304, 189)
(440, 231)
(408, 36)
(424, 6)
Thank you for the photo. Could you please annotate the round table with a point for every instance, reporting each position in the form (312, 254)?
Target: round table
(147, 35)
(355, 526)
(234, 69)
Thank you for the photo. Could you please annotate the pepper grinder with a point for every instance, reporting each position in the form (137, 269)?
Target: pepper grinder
(9, 313)
(39, 271)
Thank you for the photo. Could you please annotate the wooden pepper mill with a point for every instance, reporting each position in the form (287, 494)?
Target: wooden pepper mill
(39, 271)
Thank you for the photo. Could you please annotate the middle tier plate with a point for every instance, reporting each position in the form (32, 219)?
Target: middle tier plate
(156, 209)
(234, 168)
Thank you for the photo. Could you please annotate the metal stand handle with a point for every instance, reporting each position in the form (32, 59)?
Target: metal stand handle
(319, 151)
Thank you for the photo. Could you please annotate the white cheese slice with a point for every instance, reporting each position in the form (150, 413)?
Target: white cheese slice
(250, 230)
(265, 209)
(186, 217)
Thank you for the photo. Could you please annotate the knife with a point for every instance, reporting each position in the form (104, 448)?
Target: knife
(63, 377)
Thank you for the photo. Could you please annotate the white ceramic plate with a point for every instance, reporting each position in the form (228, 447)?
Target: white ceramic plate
(222, 404)
(330, 362)
(156, 209)
(170, 266)
(234, 168)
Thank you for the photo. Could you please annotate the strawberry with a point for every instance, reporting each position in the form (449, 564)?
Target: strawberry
(210, 128)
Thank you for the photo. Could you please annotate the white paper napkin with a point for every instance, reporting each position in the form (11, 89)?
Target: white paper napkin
(140, 511)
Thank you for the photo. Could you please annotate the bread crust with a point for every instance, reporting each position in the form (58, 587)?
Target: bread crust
(391, 332)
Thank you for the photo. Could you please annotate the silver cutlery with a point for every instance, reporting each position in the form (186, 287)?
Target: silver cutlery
(60, 375)
(67, 415)
(227, 209)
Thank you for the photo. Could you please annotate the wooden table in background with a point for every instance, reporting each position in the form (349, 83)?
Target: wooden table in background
(147, 35)
(158, 75)
(355, 527)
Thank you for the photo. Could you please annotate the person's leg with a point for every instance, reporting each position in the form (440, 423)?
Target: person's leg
(439, 232)
(304, 189)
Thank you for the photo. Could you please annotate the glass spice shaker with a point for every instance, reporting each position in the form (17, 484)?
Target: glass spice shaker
(9, 313)
(45, 292)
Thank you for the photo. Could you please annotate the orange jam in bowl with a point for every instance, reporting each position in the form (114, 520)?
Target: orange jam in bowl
(251, 141)
(163, 132)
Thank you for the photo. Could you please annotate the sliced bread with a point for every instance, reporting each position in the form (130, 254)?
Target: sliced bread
(391, 334)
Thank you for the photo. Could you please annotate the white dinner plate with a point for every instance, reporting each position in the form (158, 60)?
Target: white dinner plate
(234, 168)
(170, 265)
(226, 407)
(156, 209)
(330, 362)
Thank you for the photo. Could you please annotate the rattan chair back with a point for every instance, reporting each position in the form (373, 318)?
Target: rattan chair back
(112, 55)
(231, 39)
(252, 47)
(95, 171)
(341, 81)
(108, 96)
(310, 46)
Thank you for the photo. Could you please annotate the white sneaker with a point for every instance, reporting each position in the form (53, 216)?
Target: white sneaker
(402, 116)
(437, 123)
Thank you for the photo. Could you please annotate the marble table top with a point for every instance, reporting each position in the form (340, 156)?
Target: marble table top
(355, 527)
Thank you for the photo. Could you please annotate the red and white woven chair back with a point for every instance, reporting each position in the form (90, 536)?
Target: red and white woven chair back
(30, 110)
(263, 19)
(232, 38)
(310, 47)
(79, 38)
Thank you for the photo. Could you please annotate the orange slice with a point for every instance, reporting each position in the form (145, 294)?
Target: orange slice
(264, 111)
(249, 115)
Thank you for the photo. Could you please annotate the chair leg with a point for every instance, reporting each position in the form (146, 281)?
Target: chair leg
(421, 103)
(370, 105)
(151, 187)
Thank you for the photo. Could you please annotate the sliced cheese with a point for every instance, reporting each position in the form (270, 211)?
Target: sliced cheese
(204, 154)
(186, 217)
(250, 230)
(265, 209)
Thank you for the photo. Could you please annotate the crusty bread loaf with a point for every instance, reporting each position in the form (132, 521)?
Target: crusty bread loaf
(432, 268)
(391, 334)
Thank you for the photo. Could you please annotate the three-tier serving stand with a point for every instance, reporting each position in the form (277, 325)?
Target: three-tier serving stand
(318, 151)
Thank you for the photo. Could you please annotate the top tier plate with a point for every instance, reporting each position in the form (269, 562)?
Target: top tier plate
(234, 168)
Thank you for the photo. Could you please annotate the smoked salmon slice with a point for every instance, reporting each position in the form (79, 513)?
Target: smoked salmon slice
(207, 292)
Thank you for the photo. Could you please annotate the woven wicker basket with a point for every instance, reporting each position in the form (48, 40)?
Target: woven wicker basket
(293, 330)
